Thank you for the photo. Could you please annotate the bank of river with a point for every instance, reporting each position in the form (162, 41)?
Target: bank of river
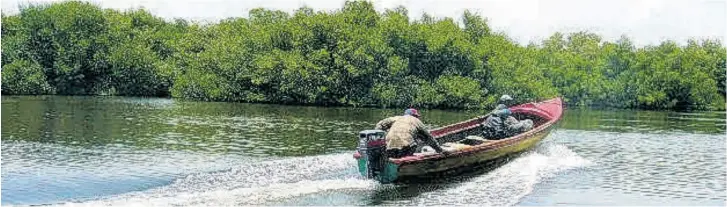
(137, 151)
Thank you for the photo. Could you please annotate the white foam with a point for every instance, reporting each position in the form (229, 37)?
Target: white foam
(506, 185)
(251, 184)
(237, 197)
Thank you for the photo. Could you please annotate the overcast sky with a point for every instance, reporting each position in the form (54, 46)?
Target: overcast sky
(644, 21)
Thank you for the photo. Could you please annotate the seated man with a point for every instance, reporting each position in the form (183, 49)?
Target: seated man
(401, 132)
(494, 126)
(500, 124)
(516, 127)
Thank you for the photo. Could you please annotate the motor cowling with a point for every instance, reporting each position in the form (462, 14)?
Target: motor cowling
(372, 147)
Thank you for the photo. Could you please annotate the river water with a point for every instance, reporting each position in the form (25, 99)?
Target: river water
(113, 151)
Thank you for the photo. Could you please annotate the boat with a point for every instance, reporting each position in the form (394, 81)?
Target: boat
(467, 149)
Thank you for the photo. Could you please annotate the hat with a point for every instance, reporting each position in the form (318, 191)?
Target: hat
(505, 98)
(412, 112)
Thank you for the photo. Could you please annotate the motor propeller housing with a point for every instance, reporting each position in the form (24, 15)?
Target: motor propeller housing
(372, 147)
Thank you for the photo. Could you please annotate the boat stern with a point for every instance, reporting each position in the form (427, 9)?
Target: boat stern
(371, 156)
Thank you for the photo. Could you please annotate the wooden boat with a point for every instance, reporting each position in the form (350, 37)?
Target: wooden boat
(374, 164)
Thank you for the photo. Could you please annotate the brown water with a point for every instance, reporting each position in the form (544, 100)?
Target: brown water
(139, 151)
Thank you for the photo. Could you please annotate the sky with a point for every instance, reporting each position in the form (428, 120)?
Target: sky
(646, 22)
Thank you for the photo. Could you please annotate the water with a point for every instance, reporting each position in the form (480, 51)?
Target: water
(111, 151)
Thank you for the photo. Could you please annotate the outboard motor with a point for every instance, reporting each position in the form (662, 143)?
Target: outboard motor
(372, 147)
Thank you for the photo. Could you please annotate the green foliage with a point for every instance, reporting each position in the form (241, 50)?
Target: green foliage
(137, 71)
(24, 77)
(354, 56)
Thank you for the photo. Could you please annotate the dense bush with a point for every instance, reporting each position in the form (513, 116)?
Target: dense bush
(354, 56)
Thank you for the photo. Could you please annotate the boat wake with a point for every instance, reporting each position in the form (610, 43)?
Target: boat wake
(251, 184)
(506, 185)
(272, 182)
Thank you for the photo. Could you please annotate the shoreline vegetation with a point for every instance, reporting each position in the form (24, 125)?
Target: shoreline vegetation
(354, 56)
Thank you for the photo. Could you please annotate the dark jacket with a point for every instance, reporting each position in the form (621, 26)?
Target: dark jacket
(495, 126)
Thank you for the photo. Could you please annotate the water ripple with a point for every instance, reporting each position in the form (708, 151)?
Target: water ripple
(136, 151)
